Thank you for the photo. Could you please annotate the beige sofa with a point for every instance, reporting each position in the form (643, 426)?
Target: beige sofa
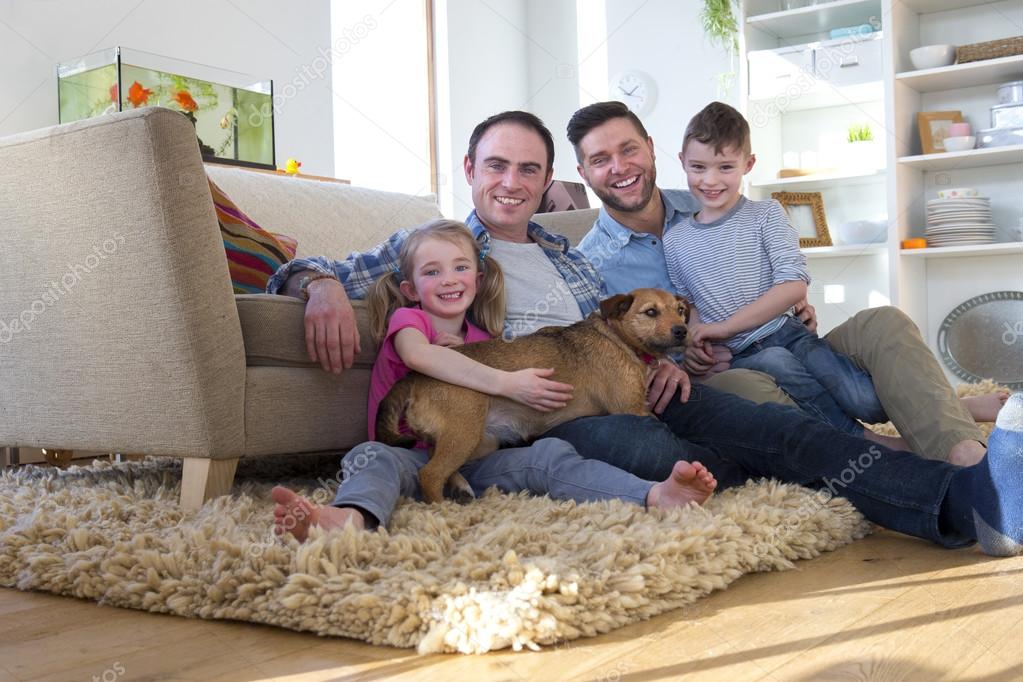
(119, 328)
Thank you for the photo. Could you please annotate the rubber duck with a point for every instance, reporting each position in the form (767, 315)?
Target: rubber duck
(291, 166)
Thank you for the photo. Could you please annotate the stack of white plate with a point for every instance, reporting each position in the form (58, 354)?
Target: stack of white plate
(959, 222)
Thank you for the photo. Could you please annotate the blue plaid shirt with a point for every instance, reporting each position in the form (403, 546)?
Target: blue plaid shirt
(358, 272)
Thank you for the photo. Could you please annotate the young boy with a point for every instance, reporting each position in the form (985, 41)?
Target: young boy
(738, 262)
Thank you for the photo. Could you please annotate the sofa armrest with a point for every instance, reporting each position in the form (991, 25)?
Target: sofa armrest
(273, 328)
(118, 328)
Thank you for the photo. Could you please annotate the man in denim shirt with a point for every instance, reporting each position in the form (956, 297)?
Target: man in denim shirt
(734, 438)
(616, 158)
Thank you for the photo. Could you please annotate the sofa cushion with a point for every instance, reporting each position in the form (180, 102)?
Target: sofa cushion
(253, 254)
(273, 328)
(571, 224)
(327, 218)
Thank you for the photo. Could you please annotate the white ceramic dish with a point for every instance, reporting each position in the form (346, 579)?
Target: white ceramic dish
(957, 193)
(933, 56)
(960, 144)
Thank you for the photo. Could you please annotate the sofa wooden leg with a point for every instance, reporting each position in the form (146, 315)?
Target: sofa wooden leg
(59, 458)
(203, 479)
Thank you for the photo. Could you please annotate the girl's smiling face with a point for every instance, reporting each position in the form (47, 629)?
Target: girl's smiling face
(444, 278)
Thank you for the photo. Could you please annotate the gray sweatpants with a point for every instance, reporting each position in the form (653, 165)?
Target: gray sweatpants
(376, 475)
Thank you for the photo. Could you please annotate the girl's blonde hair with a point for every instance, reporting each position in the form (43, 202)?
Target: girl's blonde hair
(487, 309)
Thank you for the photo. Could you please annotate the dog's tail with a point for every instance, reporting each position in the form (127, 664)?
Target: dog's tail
(392, 409)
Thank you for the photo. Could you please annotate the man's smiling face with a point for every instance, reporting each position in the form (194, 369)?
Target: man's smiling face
(617, 163)
(508, 178)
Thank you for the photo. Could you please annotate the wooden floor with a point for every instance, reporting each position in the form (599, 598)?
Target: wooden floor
(886, 608)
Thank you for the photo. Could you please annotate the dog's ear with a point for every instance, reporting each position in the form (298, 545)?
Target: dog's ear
(684, 306)
(614, 308)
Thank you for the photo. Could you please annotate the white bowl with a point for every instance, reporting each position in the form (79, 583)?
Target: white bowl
(961, 143)
(933, 56)
(958, 193)
(863, 231)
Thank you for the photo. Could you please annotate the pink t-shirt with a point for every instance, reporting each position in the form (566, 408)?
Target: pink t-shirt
(389, 368)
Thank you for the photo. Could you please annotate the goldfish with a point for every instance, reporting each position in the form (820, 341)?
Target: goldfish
(138, 95)
(113, 93)
(185, 100)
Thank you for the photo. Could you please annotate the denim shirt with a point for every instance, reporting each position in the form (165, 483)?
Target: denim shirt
(358, 272)
(630, 260)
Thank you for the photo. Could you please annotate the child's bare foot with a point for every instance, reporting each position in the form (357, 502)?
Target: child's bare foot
(984, 408)
(891, 442)
(689, 482)
(296, 515)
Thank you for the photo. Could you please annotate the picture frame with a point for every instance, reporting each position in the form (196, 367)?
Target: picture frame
(806, 212)
(933, 126)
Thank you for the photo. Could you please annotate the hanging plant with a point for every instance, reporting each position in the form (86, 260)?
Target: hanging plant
(722, 28)
(720, 25)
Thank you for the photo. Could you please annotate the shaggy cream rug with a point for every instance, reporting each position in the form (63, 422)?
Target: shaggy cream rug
(505, 571)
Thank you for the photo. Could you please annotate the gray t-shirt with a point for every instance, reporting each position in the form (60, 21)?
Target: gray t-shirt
(537, 294)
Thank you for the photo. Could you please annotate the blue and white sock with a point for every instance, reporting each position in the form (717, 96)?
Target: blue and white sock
(987, 497)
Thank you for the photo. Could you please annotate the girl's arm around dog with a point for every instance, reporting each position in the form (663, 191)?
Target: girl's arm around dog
(528, 386)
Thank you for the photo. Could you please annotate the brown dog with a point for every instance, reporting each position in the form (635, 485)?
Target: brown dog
(606, 358)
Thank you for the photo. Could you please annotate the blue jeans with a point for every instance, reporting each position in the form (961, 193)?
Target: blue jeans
(739, 440)
(376, 475)
(821, 381)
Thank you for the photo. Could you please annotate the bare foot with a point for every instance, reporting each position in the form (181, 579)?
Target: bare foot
(984, 408)
(296, 515)
(966, 453)
(689, 482)
(891, 442)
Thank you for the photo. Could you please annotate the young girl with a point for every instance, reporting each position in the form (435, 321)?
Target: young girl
(416, 313)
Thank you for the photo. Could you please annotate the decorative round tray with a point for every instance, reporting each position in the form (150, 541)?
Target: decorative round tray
(982, 338)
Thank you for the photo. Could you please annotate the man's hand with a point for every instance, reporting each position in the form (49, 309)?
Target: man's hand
(331, 335)
(662, 383)
(532, 388)
(707, 360)
(806, 314)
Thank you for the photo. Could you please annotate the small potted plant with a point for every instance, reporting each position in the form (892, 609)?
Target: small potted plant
(862, 152)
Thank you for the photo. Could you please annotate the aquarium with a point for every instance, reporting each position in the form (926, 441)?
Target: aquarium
(232, 112)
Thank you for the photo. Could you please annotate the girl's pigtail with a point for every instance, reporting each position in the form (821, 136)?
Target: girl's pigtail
(384, 298)
(488, 310)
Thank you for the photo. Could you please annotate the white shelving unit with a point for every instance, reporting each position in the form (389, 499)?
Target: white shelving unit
(929, 283)
(806, 90)
(926, 283)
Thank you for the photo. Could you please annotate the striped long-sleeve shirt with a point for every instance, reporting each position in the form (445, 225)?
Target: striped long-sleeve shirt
(725, 265)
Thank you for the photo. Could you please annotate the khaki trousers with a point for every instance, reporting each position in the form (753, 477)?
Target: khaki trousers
(908, 379)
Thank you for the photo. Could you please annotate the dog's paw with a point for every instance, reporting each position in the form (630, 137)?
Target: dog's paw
(459, 490)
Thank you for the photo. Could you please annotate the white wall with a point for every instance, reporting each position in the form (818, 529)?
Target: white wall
(264, 38)
(664, 39)
(381, 105)
(527, 54)
(482, 69)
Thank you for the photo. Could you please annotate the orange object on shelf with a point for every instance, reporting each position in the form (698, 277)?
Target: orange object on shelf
(915, 243)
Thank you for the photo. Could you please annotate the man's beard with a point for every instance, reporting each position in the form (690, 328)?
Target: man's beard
(612, 202)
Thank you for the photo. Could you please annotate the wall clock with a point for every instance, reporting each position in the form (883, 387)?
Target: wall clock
(636, 89)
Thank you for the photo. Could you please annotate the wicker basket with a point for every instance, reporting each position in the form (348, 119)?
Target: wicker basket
(993, 49)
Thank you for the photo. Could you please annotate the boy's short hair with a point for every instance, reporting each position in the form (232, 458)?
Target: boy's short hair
(721, 126)
(522, 118)
(589, 117)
